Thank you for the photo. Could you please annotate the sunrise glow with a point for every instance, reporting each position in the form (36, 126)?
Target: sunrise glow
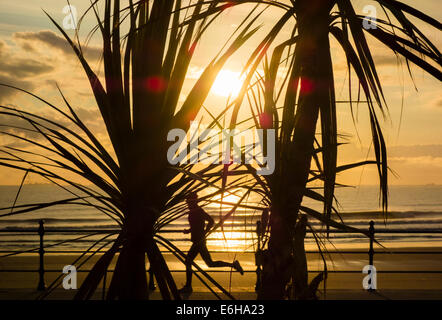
(227, 83)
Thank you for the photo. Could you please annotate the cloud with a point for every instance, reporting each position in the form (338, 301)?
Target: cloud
(417, 155)
(19, 127)
(17, 71)
(10, 80)
(90, 117)
(24, 68)
(23, 128)
(34, 40)
(3, 47)
(194, 72)
(412, 151)
(419, 161)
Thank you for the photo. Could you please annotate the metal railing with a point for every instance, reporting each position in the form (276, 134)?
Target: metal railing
(41, 231)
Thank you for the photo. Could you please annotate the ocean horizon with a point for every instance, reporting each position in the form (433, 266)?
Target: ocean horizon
(410, 208)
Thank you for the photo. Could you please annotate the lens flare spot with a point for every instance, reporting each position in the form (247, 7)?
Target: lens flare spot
(155, 84)
(307, 86)
(265, 120)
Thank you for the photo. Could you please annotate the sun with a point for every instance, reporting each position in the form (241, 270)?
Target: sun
(227, 83)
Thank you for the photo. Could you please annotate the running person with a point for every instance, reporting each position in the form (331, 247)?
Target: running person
(197, 221)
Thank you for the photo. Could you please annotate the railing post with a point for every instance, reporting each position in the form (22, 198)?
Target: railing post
(371, 251)
(258, 256)
(103, 293)
(41, 270)
(152, 285)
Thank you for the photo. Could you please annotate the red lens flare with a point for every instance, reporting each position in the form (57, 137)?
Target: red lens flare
(155, 84)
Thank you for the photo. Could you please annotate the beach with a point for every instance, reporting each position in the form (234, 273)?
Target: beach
(238, 241)
(344, 279)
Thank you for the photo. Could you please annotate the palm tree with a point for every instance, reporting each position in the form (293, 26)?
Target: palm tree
(309, 96)
(144, 72)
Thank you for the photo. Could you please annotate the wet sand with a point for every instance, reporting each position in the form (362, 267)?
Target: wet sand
(344, 280)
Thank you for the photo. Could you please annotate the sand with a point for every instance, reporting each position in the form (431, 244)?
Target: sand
(340, 284)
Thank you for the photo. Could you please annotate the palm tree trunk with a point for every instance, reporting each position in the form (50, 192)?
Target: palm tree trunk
(308, 70)
(130, 278)
(300, 272)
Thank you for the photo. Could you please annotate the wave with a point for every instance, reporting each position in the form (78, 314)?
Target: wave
(359, 219)
(55, 220)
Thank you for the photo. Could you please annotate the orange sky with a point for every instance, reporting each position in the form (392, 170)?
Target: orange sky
(34, 56)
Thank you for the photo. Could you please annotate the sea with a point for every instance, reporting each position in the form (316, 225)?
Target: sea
(415, 217)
